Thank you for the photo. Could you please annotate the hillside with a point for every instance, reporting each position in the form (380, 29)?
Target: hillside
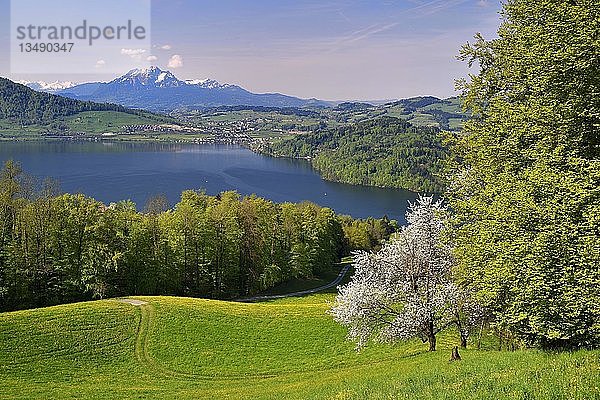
(386, 152)
(25, 106)
(428, 112)
(204, 349)
(25, 111)
(445, 114)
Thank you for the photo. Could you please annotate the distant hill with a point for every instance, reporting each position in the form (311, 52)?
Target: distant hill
(25, 106)
(156, 90)
(384, 152)
(26, 111)
(428, 111)
(445, 114)
(354, 106)
(416, 102)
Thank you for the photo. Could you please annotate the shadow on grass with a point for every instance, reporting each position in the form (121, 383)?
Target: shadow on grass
(296, 286)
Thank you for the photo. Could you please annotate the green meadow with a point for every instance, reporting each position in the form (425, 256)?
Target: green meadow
(88, 122)
(183, 348)
(95, 122)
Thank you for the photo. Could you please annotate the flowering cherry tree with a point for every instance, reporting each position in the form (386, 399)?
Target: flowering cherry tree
(404, 290)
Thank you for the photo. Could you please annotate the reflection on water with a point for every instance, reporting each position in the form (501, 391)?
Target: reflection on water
(112, 171)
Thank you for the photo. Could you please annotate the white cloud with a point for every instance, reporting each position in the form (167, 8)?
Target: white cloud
(100, 63)
(151, 58)
(135, 54)
(165, 47)
(176, 61)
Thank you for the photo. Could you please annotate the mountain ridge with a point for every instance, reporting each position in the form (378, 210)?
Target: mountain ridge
(157, 90)
(47, 87)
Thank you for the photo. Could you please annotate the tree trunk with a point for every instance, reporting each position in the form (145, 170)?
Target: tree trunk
(479, 338)
(455, 356)
(431, 342)
(463, 340)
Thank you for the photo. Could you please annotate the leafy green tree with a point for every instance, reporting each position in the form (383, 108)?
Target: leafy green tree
(118, 221)
(258, 220)
(188, 237)
(223, 216)
(526, 173)
(10, 189)
(366, 234)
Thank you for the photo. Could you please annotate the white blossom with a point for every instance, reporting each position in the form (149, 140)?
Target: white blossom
(404, 290)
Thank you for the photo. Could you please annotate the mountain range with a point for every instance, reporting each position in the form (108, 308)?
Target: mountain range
(47, 87)
(156, 90)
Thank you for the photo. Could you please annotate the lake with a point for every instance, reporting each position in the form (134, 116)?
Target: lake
(113, 171)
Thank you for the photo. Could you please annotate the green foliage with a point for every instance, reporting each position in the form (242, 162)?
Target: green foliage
(288, 349)
(65, 248)
(385, 152)
(367, 234)
(26, 106)
(526, 173)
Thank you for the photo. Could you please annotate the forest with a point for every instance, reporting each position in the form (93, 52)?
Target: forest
(57, 248)
(25, 106)
(384, 152)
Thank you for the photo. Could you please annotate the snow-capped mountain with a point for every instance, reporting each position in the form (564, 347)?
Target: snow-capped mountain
(48, 87)
(152, 76)
(156, 77)
(158, 90)
(207, 83)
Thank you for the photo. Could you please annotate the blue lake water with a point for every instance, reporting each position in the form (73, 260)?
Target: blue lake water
(113, 171)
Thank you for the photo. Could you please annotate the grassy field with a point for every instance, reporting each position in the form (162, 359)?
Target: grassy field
(11, 129)
(89, 122)
(105, 121)
(176, 348)
(270, 118)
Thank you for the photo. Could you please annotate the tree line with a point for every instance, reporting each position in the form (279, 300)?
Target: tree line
(57, 248)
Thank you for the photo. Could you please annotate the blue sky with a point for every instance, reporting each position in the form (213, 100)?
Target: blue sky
(329, 49)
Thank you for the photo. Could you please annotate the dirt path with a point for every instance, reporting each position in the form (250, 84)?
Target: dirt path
(141, 340)
(133, 302)
(331, 284)
(141, 345)
(142, 352)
